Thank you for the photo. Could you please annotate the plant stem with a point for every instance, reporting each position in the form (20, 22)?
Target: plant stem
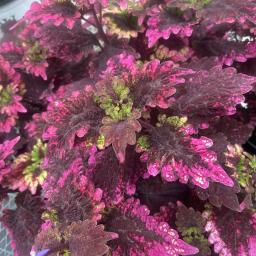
(94, 36)
(99, 26)
(88, 21)
(100, 15)
(146, 125)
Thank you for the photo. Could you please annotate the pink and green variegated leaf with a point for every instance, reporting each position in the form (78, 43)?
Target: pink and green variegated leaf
(24, 222)
(191, 224)
(121, 133)
(182, 53)
(10, 105)
(55, 12)
(122, 23)
(179, 156)
(213, 92)
(81, 238)
(141, 234)
(11, 91)
(34, 60)
(26, 171)
(187, 218)
(77, 116)
(231, 233)
(152, 84)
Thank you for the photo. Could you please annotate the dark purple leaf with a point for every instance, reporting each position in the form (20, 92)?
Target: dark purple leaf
(121, 133)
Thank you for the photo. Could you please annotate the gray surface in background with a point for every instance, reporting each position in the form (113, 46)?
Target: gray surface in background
(5, 247)
(15, 9)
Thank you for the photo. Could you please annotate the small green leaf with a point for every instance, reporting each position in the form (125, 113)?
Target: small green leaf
(143, 142)
(101, 142)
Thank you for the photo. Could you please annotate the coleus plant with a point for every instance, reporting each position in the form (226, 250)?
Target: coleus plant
(123, 127)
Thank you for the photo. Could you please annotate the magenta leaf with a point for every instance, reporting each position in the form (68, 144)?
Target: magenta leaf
(177, 156)
(55, 12)
(6, 149)
(238, 242)
(156, 84)
(165, 20)
(144, 235)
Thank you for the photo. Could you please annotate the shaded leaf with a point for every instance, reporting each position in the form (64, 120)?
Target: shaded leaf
(81, 238)
(191, 225)
(24, 222)
(121, 133)
(220, 195)
(213, 92)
